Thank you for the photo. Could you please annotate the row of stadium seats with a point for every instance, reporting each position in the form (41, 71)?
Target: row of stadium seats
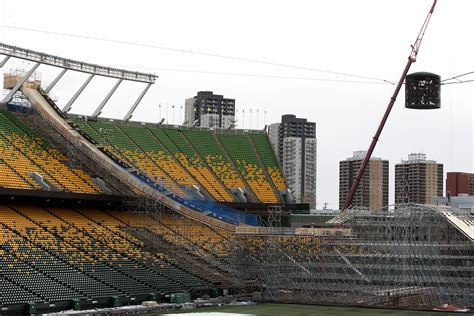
(49, 255)
(152, 148)
(189, 157)
(207, 146)
(169, 277)
(35, 246)
(24, 153)
(184, 153)
(153, 225)
(198, 238)
(269, 160)
(213, 240)
(126, 143)
(292, 244)
(241, 151)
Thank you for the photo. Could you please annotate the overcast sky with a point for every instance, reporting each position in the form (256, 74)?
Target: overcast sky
(369, 38)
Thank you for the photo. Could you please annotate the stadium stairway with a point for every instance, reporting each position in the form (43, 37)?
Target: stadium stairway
(155, 148)
(261, 151)
(210, 213)
(24, 153)
(40, 250)
(85, 253)
(201, 242)
(159, 168)
(182, 256)
(10, 177)
(191, 151)
(144, 266)
(218, 160)
(178, 245)
(262, 146)
(240, 150)
(167, 152)
(166, 161)
(105, 230)
(178, 145)
(74, 156)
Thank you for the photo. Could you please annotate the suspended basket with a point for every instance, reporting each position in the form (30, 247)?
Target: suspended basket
(423, 91)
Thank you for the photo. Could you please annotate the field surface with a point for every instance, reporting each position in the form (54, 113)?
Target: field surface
(303, 310)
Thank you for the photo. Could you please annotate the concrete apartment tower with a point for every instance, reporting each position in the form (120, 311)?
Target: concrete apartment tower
(372, 191)
(418, 180)
(460, 183)
(209, 110)
(294, 143)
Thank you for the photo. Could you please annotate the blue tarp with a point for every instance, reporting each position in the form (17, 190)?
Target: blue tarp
(209, 208)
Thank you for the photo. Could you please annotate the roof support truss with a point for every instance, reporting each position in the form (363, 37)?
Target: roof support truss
(74, 65)
(26, 54)
(68, 106)
(106, 99)
(55, 81)
(129, 114)
(18, 84)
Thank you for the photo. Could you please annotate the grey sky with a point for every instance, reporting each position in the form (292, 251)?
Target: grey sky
(365, 37)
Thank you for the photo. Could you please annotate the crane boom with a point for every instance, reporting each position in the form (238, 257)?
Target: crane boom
(411, 59)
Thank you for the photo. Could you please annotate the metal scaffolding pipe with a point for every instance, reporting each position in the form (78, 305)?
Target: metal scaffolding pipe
(18, 85)
(55, 81)
(106, 99)
(77, 94)
(129, 114)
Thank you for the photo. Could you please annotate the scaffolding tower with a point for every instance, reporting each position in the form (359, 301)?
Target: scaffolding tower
(403, 256)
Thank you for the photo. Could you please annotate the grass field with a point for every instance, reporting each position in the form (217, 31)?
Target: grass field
(306, 310)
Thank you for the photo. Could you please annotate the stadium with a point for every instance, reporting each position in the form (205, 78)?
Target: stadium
(100, 213)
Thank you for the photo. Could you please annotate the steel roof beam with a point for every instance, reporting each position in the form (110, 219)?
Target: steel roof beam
(55, 81)
(129, 114)
(26, 54)
(18, 84)
(106, 99)
(68, 106)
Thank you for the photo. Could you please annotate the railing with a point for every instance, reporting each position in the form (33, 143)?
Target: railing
(172, 126)
(318, 231)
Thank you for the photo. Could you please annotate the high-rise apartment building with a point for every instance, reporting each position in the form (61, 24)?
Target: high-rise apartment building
(372, 191)
(418, 180)
(458, 183)
(294, 143)
(210, 110)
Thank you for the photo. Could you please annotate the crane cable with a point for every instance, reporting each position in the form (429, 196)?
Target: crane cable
(458, 81)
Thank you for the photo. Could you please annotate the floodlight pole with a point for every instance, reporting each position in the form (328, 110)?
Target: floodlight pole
(411, 59)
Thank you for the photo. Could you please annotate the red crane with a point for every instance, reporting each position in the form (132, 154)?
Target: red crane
(411, 59)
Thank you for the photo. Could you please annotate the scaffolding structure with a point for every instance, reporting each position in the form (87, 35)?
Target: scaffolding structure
(200, 248)
(403, 256)
(411, 256)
